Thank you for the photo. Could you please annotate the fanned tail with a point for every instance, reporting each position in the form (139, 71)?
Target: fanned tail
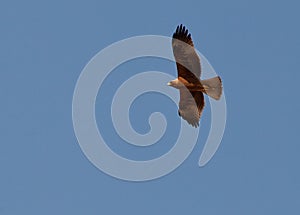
(213, 87)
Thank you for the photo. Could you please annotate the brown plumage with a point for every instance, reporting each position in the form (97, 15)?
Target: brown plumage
(188, 82)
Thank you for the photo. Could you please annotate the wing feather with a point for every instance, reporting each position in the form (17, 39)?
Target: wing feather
(191, 105)
(187, 60)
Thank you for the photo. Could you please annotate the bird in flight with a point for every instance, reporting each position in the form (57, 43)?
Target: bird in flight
(190, 86)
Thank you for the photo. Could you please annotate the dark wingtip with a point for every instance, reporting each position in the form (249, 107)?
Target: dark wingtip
(183, 34)
(195, 125)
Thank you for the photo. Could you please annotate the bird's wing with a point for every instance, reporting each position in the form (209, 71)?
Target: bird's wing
(191, 105)
(187, 60)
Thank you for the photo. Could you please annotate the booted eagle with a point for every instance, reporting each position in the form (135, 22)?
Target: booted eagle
(190, 86)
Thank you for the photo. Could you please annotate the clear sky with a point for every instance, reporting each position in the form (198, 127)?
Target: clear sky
(253, 45)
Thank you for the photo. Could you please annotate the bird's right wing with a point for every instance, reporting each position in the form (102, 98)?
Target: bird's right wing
(191, 105)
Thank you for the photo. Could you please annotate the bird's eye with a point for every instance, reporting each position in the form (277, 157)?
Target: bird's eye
(179, 113)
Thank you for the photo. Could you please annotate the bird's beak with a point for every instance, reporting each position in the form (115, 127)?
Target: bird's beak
(169, 83)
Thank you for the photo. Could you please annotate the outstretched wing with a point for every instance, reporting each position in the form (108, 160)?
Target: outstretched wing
(187, 60)
(191, 105)
(188, 65)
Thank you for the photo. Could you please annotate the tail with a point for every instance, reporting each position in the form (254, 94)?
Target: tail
(213, 87)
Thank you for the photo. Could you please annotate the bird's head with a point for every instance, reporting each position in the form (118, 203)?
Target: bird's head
(175, 83)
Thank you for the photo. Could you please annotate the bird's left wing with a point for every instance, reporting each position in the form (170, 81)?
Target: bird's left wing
(187, 60)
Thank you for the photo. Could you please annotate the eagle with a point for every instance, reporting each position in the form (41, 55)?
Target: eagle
(188, 82)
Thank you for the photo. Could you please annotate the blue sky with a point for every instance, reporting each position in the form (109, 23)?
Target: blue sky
(253, 46)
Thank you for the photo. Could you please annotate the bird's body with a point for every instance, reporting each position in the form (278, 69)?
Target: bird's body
(180, 83)
(190, 86)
